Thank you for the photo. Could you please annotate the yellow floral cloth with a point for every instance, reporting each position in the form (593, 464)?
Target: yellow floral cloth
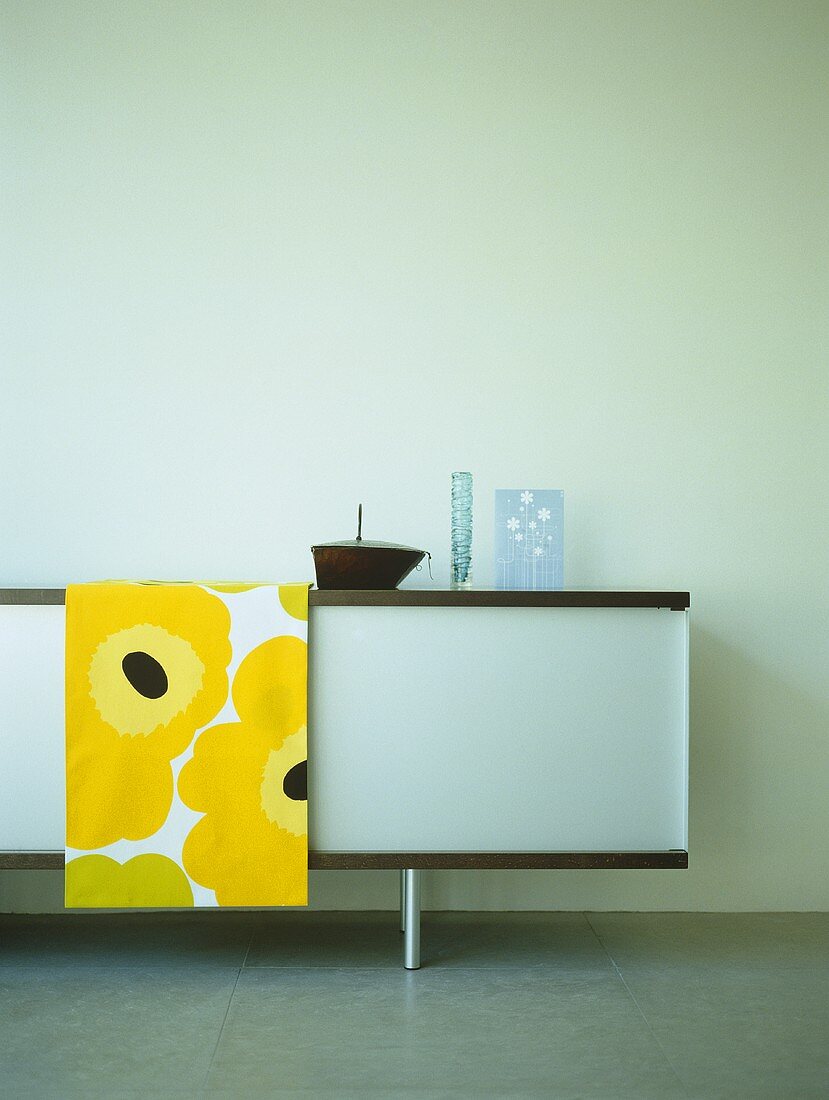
(186, 747)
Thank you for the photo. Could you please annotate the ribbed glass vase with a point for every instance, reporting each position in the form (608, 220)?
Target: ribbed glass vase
(460, 572)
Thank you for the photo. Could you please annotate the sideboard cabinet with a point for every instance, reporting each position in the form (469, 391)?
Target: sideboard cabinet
(451, 729)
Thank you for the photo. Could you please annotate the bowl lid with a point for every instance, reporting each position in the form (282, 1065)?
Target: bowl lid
(365, 544)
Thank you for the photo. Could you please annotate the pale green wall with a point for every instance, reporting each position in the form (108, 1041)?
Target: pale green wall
(264, 260)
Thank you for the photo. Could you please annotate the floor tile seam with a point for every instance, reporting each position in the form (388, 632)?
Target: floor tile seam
(731, 970)
(221, 1031)
(638, 1008)
(608, 971)
(227, 1013)
(532, 968)
(51, 966)
(668, 1060)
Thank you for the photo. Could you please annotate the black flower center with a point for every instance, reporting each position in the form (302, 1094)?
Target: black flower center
(145, 674)
(295, 783)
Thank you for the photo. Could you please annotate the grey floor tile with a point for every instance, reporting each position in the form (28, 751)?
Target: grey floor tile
(714, 939)
(126, 939)
(515, 1005)
(314, 939)
(743, 1033)
(90, 1032)
(562, 941)
(439, 1032)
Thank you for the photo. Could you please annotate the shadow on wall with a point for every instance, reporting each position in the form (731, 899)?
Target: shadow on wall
(759, 773)
(759, 777)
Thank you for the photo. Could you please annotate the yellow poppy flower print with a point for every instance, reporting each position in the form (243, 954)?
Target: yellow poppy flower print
(284, 788)
(248, 780)
(146, 668)
(144, 698)
(294, 599)
(270, 687)
(145, 882)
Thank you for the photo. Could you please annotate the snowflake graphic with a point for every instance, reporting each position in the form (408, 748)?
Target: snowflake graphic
(533, 525)
(526, 497)
(519, 537)
(538, 551)
(544, 514)
(513, 524)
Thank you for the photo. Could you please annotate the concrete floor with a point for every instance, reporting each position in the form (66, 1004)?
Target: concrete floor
(508, 1005)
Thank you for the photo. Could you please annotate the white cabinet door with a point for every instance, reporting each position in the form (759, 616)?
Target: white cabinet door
(498, 729)
(32, 805)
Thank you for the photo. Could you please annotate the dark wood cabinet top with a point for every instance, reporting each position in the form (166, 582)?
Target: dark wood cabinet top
(499, 597)
(377, 861)
(434, 597)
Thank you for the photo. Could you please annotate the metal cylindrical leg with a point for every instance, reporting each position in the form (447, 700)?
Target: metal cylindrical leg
(402, 900)
(411, 931)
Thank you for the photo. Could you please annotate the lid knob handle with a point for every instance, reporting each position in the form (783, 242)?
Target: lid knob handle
(359, 523)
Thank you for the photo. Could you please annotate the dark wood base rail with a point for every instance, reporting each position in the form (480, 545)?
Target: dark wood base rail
(505, 861)
(444, 861)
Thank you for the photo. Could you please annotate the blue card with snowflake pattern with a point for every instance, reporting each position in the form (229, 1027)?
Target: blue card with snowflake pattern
(529, 538)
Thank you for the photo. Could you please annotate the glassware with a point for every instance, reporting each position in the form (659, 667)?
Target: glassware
(461, 538)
